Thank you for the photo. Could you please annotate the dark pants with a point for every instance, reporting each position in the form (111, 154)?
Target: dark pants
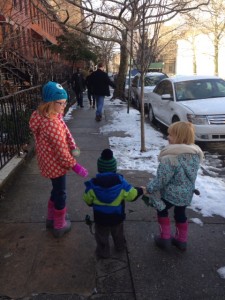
(102, 238)
(79, 97)
(179, 212)
(91, 97)
(58, 193)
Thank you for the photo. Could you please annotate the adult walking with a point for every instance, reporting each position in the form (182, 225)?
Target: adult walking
(78, 85)
(90, 93)
(100, 82)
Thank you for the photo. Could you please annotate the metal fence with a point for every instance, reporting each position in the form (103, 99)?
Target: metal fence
(15, 112)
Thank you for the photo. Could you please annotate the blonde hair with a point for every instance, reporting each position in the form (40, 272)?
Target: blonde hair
(183, 132)
(47, 109)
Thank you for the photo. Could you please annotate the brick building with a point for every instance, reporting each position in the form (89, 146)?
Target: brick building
(27, 31)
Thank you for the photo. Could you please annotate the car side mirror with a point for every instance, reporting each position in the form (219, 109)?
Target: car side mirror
(167, 97)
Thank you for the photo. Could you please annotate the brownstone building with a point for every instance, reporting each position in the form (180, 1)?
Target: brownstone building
(27, 31)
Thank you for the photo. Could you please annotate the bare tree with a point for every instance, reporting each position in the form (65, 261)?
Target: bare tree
(123, 16)
(208, 20)
(104, 48)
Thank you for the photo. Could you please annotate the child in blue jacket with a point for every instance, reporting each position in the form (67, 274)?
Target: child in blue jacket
(107, 193)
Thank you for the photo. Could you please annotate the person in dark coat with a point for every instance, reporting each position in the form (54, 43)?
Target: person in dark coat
(90, 94)
(78, 85)
(100, 82)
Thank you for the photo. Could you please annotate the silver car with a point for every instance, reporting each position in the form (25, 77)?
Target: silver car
(150, 81)
(197, 99)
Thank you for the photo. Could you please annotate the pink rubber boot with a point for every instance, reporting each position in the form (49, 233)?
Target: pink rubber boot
(61, 225)
(164, 239)
(180, 239)
(50, 215)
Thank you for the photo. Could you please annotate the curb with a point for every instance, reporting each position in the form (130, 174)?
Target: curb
(9, 171)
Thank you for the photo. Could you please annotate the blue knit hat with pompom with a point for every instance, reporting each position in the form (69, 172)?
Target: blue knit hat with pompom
(53, 91)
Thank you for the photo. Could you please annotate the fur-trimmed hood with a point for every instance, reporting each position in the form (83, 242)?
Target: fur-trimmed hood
(173, 150)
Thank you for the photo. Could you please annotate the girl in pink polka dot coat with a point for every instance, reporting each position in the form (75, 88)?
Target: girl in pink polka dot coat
(56, 153)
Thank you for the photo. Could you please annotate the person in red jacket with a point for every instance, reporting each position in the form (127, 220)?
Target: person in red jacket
(56, 152)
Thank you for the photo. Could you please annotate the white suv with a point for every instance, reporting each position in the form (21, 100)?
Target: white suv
(197, 99)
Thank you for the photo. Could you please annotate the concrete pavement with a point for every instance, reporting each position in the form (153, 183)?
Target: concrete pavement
(34, 265)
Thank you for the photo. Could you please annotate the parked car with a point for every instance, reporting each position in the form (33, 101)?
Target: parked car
(127, 86)
(150, 81)
(197, 99)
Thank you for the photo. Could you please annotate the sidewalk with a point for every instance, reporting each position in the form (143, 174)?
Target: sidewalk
(35, 265)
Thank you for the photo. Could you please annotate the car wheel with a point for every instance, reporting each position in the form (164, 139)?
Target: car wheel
(151, 115)
(175, 119)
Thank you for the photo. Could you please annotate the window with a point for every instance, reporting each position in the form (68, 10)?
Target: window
(20, 5)
(15, 3)
(26, 7)
(159, 89)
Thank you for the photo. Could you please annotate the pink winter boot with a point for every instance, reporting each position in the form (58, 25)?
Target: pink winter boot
(61, 225)
(50, 215)
(164, 239)
(180, 239)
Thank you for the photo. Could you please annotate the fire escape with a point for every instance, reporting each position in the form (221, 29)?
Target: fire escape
(15, 69)
(25, 52)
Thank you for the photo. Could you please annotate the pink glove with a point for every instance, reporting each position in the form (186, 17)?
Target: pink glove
(80, 170)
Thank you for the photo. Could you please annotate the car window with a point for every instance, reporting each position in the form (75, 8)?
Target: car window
(199, 89)
(168, 89)
(219, 88)
(153, 80)
(183, 91)
(159, 88)
(164, 87)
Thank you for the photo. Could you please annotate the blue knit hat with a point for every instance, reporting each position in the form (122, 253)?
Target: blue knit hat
(106, 162)
(53, 91)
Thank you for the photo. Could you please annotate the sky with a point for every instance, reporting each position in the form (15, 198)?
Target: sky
(127, 152)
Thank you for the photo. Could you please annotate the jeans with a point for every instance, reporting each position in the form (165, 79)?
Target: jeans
(100, 104)
(179, 212)
(58, 193)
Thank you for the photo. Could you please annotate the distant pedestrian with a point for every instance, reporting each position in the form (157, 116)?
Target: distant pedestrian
(78, 85)
(56, 152)
(100, 82)
(175, 182)
(90, 92)
(107, 193)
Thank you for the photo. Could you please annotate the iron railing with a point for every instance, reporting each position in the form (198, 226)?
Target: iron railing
(15, 112)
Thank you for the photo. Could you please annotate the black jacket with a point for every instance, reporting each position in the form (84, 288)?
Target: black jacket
(101, 82)
(78, 82)
(88, 83)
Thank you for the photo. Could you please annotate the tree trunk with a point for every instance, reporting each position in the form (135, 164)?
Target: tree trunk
(121, 77)
(194, 60)
(216, 55)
